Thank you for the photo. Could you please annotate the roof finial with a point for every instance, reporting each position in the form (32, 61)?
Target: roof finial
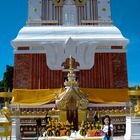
(70, 63)
(71, 75)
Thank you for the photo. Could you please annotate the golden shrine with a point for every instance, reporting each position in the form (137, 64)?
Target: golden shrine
(69, 113)
(5, 120)
(134, 97)
(5, 127)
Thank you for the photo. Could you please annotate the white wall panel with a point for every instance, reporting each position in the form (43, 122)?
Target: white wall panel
(34, 10)
(104, 13)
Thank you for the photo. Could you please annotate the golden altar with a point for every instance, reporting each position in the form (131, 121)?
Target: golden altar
(5, 127)
(5, 112)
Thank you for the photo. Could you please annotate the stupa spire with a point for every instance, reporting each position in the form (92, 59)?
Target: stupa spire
(71, 75)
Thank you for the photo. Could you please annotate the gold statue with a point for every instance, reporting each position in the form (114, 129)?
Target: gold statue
(137, 109)
(6, 110)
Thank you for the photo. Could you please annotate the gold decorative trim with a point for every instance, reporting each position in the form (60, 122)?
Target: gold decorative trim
(134, 92)
(80, 2)
(84, 22)
(58, 2)
(55, 22)
(6, 94)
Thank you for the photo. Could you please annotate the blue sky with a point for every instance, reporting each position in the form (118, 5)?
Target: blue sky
(125, 15)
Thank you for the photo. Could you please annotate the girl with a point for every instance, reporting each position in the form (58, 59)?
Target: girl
(107, 128)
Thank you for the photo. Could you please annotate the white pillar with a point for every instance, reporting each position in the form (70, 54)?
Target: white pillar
(17, 122)
(18, 135)
(132, 128)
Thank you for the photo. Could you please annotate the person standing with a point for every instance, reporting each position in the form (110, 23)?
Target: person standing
(107, 128)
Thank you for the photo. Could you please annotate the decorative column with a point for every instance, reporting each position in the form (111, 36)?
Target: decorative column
(132, 128)
(18, 135)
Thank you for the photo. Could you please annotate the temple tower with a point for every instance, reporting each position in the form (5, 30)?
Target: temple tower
(57, 29)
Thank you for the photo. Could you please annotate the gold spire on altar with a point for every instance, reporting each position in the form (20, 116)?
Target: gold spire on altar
(72, 96)
(71, 75)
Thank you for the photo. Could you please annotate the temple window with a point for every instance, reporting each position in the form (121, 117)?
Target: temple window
(52, 12)
(87, 12)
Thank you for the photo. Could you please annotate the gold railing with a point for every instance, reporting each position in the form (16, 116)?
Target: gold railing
(47, 22)
(55, 22)
(93, 22)
(134, 92)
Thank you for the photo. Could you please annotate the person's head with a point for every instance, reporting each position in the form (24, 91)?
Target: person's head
(106, 120)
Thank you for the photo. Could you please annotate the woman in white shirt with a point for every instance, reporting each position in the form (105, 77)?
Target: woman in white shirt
(107, 128)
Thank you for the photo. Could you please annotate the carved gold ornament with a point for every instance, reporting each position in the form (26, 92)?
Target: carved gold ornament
(137, 109)
(80, 2)
(58, 2)
(71, 98)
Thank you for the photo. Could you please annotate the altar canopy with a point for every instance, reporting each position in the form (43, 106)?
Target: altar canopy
(43, 96)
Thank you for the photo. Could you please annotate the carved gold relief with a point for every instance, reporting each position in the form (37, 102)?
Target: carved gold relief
(58, 2)
(104, 9)
(81, 115)
(63, 116)
(80, 2)
(71, 98)
(35, 9)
